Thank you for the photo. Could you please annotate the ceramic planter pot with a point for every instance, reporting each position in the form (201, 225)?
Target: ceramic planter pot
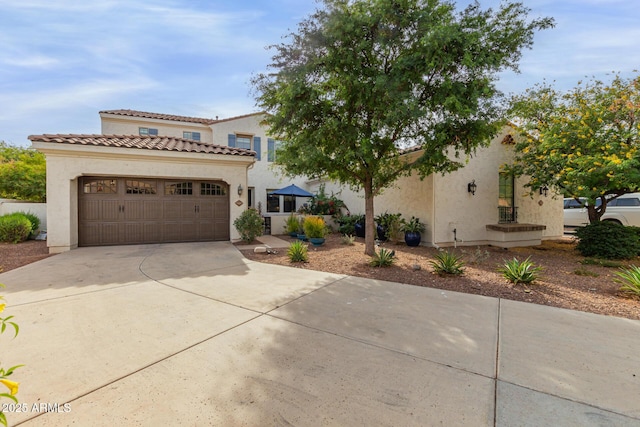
(302, 237)
(412, 238)
(382, 233)
(316, 241)
(360, 229)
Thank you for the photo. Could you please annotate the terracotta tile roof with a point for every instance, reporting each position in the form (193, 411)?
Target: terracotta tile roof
(146, 115)
(159, 116)
(164, 143)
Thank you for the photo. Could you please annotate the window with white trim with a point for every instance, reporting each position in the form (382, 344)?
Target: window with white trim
(191, 135)
(148, 131)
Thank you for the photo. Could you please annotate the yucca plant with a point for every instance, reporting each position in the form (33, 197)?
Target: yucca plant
(630, 280)
(384, 258)
(448, 263)
(520, 271)
(297, 252)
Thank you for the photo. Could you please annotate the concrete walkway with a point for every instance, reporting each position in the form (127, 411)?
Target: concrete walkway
(194, 334)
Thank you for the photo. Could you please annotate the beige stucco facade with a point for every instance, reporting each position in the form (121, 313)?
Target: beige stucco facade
(66, 163)
(452, 215)
(444, 204)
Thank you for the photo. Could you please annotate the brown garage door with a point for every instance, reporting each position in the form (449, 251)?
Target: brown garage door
(117, 211)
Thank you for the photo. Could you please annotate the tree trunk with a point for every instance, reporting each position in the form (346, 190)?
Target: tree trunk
(595, 213)
(369, 224)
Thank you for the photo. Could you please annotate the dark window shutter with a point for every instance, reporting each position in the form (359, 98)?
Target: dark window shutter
(256, 146)
(232, 140)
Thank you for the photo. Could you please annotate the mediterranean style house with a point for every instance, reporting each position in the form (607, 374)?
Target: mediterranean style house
(150, 178)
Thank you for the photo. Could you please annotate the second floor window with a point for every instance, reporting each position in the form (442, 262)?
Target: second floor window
(148, 131)
(191, 135)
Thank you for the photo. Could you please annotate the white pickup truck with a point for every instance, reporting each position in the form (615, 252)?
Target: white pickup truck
(624, 210)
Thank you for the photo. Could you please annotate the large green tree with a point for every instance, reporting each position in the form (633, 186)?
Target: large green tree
(583, 142)
(22, 173)
(363, 78)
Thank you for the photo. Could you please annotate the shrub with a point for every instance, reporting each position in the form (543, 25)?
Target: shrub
(384, 258)
(14, 228)
(520, 271)
(607, 239)
(630, 280)
(321, 204)
(348, 239)
(478, 256)
(292, 225)
(448, 263)
(314, 227)
(347, 224)
(297, 252)
(35, 223)
(391, 225)
(249, 225)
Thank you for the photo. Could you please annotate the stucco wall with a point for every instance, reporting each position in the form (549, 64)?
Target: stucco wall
(66, 163)
(121, 125)
(263, 175)
(8, 206)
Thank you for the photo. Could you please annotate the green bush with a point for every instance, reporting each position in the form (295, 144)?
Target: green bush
(629, 278)
(348, 239)
(448, 263)
(35, 223)
(249, 225)
(297, 252)
(607, 239)
(520, 271)
(384, 258)
(347, 224)
(14, 228)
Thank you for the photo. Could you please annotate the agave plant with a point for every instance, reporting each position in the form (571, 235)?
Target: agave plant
(629, 278)
(448, 263)
(520, 271)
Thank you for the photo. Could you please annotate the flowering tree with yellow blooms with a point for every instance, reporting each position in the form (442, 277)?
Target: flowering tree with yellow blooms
(11, 385)
(583, 143)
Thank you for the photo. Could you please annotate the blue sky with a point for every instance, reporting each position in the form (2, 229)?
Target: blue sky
(62, 61)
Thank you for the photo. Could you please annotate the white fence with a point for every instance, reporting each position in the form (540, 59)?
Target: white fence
(8, 206)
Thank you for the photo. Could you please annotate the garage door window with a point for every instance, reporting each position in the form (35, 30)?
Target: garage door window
(141, 187)
(207, 189)
(101, 186)
(179, 188)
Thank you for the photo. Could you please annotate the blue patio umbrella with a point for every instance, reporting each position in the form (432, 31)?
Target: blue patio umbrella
(292, 190)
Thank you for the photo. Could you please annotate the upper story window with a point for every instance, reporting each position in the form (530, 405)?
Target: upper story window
(243, 141)
(247, 142)
(272, 149)
(191, 135)
(148, 131)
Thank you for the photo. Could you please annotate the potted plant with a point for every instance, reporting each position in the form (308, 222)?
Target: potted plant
(315, 229)
(358, 224)
(292, 225)
(387, 226)
(301, 235)
(412, 230)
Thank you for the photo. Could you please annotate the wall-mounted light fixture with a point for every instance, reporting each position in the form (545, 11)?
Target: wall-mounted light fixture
(472, 187)
(544, 190)
(240, 189)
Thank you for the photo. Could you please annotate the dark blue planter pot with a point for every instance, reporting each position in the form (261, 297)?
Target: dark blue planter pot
(382, 233)
(302, 237)
(293, 234)
(359, 229)
(316, 241)
(412, 238)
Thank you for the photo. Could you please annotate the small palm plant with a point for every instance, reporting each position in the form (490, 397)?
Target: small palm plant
(629, 278)
(520, 271)
(448, 263)
(384, 258)
(297, 252)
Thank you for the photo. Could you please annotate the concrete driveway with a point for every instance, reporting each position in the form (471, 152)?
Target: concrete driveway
(194, 334)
